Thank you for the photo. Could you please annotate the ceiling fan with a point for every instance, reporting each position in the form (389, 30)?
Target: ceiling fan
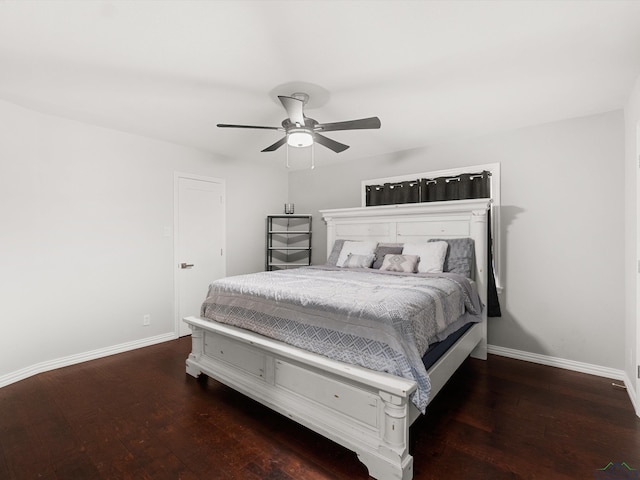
(303, 131)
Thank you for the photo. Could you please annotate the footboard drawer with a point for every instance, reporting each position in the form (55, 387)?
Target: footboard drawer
(343, 398)
(247, 359)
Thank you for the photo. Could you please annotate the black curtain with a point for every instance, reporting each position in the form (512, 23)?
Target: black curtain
(459, 187)
(393, 193)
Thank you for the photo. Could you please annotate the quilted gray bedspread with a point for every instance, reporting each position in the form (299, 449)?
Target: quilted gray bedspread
(379, 320)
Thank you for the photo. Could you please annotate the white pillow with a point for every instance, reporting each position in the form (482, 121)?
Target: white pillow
(357, 248)
(431, 255)
(359, 261)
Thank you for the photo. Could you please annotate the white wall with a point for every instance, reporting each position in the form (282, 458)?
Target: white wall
(632, 248)
(562, 240)
(83, 255)
(83, 211)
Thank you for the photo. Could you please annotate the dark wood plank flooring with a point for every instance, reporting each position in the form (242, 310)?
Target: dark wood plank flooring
(137, 415)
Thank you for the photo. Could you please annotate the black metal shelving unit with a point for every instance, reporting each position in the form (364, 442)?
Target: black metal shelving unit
(288, 241)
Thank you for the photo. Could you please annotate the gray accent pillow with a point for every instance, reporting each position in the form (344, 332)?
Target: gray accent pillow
(460, 255)
(358, 261)
(335, 252)
(382, 250)
(400, 263)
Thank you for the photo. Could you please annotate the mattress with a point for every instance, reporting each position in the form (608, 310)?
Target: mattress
(437, 349)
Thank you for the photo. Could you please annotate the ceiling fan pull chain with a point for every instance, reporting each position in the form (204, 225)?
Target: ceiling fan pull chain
(313, 156)
(287, 155)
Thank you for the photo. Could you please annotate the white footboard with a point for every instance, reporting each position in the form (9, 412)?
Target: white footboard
(365, 411)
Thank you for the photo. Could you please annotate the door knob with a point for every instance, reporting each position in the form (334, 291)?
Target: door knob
(186, 265)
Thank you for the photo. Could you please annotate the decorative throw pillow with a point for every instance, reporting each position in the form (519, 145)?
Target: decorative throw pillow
(460, 256)
(382, 250)
(359, 261)
(332, 259)
(359, 248)
(431, 255)
(400, 263)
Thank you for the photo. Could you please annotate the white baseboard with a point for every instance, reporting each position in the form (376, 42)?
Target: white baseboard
(558, 362)
(571, 365)
(588, 368)
(31, 370)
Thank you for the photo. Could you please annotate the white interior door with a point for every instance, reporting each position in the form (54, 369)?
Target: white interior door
(199, 242)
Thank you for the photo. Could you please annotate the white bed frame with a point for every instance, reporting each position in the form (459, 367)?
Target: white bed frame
(366, 411)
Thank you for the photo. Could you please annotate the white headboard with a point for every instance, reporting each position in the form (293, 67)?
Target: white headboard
(416, 222)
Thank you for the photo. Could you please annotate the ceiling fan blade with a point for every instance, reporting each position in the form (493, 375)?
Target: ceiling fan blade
(330, 144)
(226, 125)
(361, 124)
(276, 145)
(294, 108)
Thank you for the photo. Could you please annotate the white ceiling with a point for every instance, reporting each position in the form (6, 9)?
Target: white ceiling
(432, 71)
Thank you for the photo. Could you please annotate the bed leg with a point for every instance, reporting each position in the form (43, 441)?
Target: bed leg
(197, 349)
(383, 469)
(392, 459)
(480, 352)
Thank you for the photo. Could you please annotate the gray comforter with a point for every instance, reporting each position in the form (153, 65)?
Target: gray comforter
(379, 320)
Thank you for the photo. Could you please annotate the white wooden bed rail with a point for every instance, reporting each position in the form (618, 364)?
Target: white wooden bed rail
(368, 412)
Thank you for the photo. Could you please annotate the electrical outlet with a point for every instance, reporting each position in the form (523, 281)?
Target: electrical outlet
(146, 320)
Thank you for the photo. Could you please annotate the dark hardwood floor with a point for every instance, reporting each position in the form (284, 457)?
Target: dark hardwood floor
(137, 415)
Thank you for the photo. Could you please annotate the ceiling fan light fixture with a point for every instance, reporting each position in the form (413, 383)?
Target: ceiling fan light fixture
(299, 137)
